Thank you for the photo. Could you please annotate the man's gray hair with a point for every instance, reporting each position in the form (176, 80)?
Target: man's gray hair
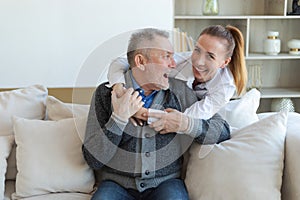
(140, 42)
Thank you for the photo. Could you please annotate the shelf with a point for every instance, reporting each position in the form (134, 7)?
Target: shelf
(261, 56)
(236, 17)
(208, 17)
(280, 92)
(278, 74)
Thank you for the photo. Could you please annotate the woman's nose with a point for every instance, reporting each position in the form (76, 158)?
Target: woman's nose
(200, 61)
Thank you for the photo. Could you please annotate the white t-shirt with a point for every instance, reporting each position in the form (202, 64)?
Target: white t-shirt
(219, 90)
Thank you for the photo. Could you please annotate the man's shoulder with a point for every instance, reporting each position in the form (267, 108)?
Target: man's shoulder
(176, 84)
(181, 90)
(102, 89)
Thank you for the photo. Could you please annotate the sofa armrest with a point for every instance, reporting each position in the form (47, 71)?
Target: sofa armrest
(291, 174)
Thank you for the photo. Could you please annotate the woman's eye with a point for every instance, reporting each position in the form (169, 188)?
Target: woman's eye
(197, 50)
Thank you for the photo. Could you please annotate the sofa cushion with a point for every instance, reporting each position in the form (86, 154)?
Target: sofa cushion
(6, 143)
(28, 102)
(242, 112)
(61, 196)
(49, 157)
(57, 109)
(248, 166)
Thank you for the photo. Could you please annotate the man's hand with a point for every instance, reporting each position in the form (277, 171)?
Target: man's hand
(126, 105)
(138, 117)
(119, 89)
(171, 121)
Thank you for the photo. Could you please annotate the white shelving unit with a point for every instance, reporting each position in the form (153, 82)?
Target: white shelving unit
(280, 75)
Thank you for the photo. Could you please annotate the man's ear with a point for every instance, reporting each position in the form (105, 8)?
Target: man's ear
(227, 61)
(140, 61)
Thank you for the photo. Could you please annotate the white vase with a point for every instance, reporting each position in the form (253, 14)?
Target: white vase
(272, 43)
(294, 46)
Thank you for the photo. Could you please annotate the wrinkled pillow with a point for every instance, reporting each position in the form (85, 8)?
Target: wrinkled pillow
(248, 166)
(57, 109)
(27, 102)
(242, 112)
(49, 157)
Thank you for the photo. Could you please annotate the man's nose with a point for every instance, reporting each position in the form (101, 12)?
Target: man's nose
(172, 63)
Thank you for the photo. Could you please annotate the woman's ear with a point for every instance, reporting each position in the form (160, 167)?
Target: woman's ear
(139, 60)
(227, 61)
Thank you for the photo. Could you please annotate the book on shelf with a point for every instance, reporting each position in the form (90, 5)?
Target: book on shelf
(182, 41)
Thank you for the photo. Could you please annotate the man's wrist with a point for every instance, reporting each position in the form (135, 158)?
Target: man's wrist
(119, 119)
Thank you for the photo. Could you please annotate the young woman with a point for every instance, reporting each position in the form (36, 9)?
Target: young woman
(216, 69)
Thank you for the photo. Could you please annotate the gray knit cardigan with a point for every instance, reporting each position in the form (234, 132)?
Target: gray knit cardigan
(139, 157)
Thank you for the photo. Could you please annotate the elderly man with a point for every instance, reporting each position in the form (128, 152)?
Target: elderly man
(138, 162)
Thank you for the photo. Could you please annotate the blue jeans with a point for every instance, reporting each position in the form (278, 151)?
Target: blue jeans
(173, 189)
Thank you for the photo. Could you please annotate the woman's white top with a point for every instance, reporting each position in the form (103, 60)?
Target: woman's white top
(219, 90)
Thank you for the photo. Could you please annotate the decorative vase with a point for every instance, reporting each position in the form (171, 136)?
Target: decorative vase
(210, 7)
(272, 43)
(283, 104)
(294, 46)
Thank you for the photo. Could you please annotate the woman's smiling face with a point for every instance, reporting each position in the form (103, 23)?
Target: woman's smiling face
(210, 53)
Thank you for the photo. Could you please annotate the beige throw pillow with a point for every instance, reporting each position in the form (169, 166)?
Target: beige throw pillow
(27, 102)
(49, 157)
(246, 167)
(57, 109)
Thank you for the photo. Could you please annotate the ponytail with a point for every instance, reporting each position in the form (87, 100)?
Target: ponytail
(237, 64)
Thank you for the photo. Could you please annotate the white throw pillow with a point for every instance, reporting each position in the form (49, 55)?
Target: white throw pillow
(49, 157)
(246, 167)
(57, 109)
(242, 112)
(27, 102)
(6, 143)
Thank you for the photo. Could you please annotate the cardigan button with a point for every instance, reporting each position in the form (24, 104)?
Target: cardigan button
(147, 154)
(147, 172)
(142, 185)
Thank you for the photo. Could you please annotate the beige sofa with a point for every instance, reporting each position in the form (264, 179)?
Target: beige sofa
(41, 137)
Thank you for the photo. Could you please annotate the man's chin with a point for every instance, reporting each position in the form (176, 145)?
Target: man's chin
(163, 86)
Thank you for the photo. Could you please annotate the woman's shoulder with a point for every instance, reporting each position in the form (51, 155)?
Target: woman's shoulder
(222, 77)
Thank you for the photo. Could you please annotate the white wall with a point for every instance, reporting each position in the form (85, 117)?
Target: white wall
(53, 42)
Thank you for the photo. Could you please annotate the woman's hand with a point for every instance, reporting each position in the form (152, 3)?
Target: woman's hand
(170, 121)
(139, 117)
